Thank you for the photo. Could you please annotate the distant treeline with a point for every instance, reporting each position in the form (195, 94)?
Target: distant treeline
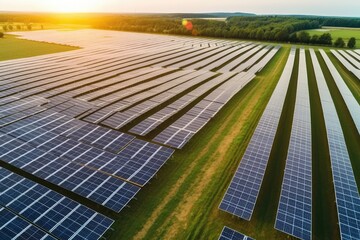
(265, 28)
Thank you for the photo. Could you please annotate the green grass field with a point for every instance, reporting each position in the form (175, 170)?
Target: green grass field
(12, 47)
(345, 33)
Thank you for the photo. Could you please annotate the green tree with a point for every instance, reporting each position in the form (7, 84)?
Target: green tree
(1, 35)
(339, 42)
(304, 37)
(260, 34)
(5, 28)
(351, 43)
(282, 35)
(314, 39)
(293, 38)
(10, 27)
(325, 39)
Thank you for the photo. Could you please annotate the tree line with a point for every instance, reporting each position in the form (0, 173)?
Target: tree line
(264, 28)
(19, 27)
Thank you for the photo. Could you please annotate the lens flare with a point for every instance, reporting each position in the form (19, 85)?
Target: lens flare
(187, 24)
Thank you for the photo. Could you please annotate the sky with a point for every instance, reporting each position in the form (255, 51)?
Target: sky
(308, 7)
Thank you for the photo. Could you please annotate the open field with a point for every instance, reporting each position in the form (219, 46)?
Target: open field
(157, 127)
(345, 33)
(12, 48)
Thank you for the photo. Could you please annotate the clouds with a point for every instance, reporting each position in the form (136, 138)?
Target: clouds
(318, 7)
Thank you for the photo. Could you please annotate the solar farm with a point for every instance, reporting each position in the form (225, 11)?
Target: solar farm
(145, 136)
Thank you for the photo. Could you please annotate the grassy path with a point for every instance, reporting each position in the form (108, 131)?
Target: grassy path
(324, 214)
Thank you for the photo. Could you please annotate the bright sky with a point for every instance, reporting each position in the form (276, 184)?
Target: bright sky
(317, 7)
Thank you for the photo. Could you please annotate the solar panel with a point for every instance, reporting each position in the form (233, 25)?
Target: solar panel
(294, 211)
(241, 195)
(13, 227)
(230, 234)
(347, 65)
(53, 212)
(101, 137)
(350, 101)
(99, 187)
(346, 191)
(156, 119)
(181, 131)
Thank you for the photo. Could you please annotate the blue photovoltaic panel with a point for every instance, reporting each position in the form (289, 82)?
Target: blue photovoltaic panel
(97, 186)
(230, 234)
(350, 100)
(138, 169)
(294, 211)
(142, 160)
(346, 191)
(240, 197)
(53, 212)
(101, 137)
(13, 227)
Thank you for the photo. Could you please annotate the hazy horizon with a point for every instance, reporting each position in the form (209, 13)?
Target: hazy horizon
(346, 8)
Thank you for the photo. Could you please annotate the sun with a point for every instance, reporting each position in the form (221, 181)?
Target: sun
(74, 5)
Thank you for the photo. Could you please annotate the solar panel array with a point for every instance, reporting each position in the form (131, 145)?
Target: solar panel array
(351, 58)
(40, 145)
(353, 54)
(294, 211)
(350, 101)
(183, 129)
(170, 110)
(48, 210)
(13, 227)
(346, 63)
(241, 195)
(60, 114)
(346, 191)
(230, 234)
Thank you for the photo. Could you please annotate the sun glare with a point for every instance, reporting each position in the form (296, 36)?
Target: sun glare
(74, 5)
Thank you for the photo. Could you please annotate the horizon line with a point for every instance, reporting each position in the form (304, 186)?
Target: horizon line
(208, 12)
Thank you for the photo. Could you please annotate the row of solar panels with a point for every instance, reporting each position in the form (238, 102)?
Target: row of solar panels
(87, 145)
(184, 128)
(242, 193)
(350, 101)
(103, 165)
(350, 61)
(76, 81)
(31, 211)
(294, 210)
(41, 97)
(71, 75)
(346, 191)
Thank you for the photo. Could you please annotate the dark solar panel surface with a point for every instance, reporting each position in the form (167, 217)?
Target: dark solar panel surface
(241, 195)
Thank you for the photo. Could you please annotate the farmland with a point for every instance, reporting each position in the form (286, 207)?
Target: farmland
(345, 33)
(13, 48)
(158, 126)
